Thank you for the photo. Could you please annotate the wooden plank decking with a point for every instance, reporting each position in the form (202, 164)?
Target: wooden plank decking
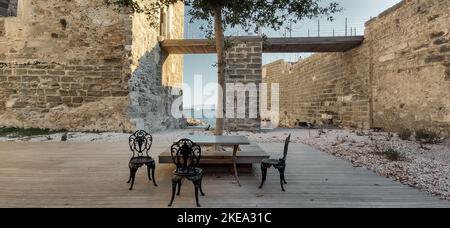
(94, 175)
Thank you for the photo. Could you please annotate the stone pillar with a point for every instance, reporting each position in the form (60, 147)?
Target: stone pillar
(243, 78)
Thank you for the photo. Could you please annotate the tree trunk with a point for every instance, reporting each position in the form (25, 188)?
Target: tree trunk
(220, 44)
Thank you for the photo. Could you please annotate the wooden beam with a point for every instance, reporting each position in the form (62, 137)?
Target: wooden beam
(190, 46)
(312, 44)
(271, 45)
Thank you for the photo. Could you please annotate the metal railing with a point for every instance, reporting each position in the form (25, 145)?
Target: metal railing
(308, 28)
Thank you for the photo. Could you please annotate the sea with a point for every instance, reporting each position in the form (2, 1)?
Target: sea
(206, 115)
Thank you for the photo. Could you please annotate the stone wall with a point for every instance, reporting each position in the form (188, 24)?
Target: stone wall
(322, 89)
(398, 78)
(411, 63)
(243, 75)
(74, 65)
(154, 73)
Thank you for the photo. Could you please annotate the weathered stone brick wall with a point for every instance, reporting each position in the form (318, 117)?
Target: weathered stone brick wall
(322, 89)
(411, 61)
(55, 59)
(155, 74)
(71, 65)
(397, 79)
(243, 69)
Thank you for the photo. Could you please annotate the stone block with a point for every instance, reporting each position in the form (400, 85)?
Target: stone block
(14, 79)
(30, 79)
(53, 99)
(119, 93)
(246, 71)
(37, 72)
(6, 72)
(94, 87)
(77, 99)
(56, 72)
(68, 79)
(21, 72)
(66, 100)
(94, 93)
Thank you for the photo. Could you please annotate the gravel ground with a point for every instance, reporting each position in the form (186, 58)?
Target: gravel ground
(425, 167)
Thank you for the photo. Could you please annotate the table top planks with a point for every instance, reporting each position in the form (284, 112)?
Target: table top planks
(210, 140)
(249, 154)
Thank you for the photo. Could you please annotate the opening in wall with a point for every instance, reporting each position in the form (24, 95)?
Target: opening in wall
(200, 89)
(8, 8)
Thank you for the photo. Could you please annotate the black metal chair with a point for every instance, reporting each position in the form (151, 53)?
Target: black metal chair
(186, 156)
(279, 164)
(140, 142)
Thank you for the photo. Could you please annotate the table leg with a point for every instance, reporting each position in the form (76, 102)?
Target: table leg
(235, 149)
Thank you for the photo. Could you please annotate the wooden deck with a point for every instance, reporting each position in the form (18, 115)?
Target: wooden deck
(94, 175)
(272, 45)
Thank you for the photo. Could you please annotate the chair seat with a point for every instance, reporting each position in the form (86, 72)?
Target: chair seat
(188, 171)
(142, 160)
(271, 161)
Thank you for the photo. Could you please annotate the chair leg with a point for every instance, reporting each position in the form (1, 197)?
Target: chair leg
(264, 174)
(179, 187)
(148, 172)
(201, 189)
(284, 178)
(281, 178)
(153, 175)
(174, 188)
(197, 186)
(133, 176)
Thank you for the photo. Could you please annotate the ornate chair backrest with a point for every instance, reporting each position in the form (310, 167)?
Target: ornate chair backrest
(185, 155)
(140, 142)
(286, 147)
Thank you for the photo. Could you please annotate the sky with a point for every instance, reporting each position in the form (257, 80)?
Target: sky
(200, 70)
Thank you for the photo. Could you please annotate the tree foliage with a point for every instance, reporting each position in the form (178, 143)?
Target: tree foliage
(247, 14)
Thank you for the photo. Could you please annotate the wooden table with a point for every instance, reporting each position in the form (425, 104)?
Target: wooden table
(234, 141)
